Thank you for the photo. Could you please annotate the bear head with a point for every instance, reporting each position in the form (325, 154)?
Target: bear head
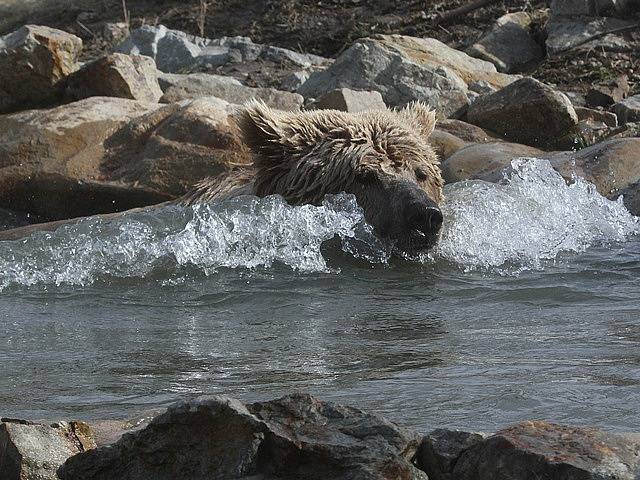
(382, 157)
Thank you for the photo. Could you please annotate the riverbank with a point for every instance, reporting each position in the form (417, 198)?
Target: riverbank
(299, 436)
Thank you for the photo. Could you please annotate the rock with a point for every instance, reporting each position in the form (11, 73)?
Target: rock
(606, 95)
(577, 99)
(197, 85)
(348, 100)
(445, 144)
(114, 33)
(574, 8)
(508, 45)
(440, 450)
(30, 451)
(33, 61)
(467, 131)
(405, 68)
(587, 114)
(628, 110)
(484, 161)
(482, 87)
(534, 450)
(175, 51)
(566, 33)
(296, 436)
(102, 155)
(294, 80)
(528, 112)
(116, 75)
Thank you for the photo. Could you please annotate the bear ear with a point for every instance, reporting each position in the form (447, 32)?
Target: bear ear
(260, 128)
(422, 115)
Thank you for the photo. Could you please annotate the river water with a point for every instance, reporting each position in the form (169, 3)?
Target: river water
(527, 309)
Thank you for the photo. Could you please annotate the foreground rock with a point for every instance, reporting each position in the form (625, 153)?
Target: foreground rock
(293, 437)
(33, 61)
(535, 450)
(405, 68)
(529, 112)
(31, 451)
(178, 87)
(440, 450)
(117, 75)
(509, 45)
(103, 155)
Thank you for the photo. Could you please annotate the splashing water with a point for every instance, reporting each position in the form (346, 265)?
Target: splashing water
(531, 217)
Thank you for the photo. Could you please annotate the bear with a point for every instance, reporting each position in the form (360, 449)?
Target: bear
(382, 157)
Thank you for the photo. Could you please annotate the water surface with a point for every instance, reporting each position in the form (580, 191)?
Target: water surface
(527, 309)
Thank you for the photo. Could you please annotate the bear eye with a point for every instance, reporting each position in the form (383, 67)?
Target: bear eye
(421, 175)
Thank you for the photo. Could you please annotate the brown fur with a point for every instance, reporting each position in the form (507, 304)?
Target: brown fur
(305, 155)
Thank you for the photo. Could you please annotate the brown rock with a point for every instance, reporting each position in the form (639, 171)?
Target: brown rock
(117, 75)
(33, 61)
(587, 114)
(535, 450)
(606, 95)
(529, 112)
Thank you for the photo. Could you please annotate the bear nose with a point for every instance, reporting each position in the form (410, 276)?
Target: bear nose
(427, 220)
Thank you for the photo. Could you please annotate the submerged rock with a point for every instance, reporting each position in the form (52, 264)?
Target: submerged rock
(535, 450)
(117, 75)
(405, 68)
(296, 436)
(30, 451)
(529, 112)
(509, 45)
(33, 61)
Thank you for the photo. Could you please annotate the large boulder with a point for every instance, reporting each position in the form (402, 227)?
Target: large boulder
(102, 155)
(31, 451)
(405, 68)
(508, 45)
(33, 61)
(296, 436)
(529, 112)
(116, 75)
(440, 450)
(178, 87)
(535, 450)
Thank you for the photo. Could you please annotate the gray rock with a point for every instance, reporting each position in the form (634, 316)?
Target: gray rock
(574, 8)
(535, 450)
(403, 69)
(214, 56)
(577, 99)
(30, 451)
(294, 437)
(348, 100)
(172, 50)
(599, 116)
(33, 61)
(628, 110)
(528, 112)
(482, 87)
(508, 45)
(115, 33)
(203, 85)
(440, 450)
(607, 94)
(294, 80)
(117, 75)
(198, 80)
(565, 33)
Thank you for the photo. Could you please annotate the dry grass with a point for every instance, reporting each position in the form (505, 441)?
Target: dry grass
(201, 19)
(126, 14)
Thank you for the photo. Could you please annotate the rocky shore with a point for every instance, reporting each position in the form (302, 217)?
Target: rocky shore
(144, 121)
(299, 436)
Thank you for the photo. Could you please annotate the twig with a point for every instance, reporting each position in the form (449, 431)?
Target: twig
(127, 16)
(628, 28)
(85, 28)
(463, 10)
(202, 16)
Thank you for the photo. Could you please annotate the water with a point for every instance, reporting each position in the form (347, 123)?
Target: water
(527, 309)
